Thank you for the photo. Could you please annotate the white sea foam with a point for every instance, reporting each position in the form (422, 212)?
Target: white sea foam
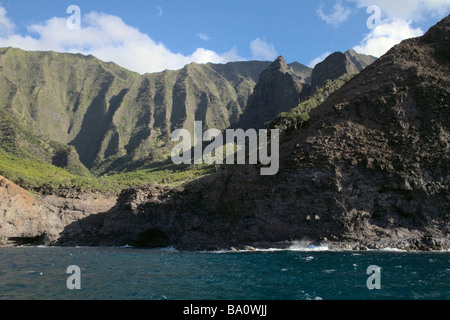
(244, 250)
(169, 249)
(393, 250)
(294, 247)
(306, 246)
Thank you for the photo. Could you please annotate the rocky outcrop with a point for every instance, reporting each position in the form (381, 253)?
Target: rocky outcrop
(278, 90)
(27, 219)
(372, 163)
(282, 87)
(337, 65)
(19, 215)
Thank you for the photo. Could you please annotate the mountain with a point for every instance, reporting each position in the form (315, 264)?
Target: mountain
(92, 117)
(296, 117)
(283, 87)
(302, 72)
(369, 169)
(278, 90)
(77, 111)
(337, 65)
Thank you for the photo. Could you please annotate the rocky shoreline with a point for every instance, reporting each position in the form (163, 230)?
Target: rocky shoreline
(412, 246)
(70, 218)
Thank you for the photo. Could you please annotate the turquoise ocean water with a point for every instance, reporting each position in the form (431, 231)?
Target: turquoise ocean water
(166, 274)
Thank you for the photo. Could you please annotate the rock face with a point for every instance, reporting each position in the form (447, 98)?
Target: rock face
(371, 168)
(372, 163)
(278, 90)
(26, 219)
(338, 64)
(19, 215)
(282, 87)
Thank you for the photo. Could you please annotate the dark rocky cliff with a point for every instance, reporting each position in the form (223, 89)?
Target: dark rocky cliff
(371, 168)
(278, 90)
(338, 64)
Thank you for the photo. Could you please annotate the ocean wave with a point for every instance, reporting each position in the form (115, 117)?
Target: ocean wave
(392, 250)
(244, 250)
(305, 246)
(296, 247)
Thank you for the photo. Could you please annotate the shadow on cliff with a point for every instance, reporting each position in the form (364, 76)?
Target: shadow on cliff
(148, 216)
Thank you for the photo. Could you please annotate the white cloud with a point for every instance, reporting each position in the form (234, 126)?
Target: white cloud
(110, 39)
(203, 36)
(411, 10)
(385, 36)
(399, 17)
(261, 50)
(319, 59)
(339, 15)
(6, 26)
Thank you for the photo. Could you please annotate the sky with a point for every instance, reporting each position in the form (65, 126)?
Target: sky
(154, 35)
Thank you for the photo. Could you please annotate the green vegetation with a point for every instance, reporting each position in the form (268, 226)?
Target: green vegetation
(300, 114)
(34, 175)
(113, 118)
(40, 176)
(167, 174)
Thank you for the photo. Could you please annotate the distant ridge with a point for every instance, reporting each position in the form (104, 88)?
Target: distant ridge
(279, 89)
(111, 117)
(282, 87)
(89, 116)
(337, 65)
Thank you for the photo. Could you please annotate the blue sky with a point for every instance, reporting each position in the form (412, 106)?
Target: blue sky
(149, 36)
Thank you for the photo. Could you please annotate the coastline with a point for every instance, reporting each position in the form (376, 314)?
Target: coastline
(293, 246)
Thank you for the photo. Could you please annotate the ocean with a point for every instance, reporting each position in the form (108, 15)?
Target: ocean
(38, 273)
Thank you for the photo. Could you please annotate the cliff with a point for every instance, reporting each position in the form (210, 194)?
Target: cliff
(370, 169)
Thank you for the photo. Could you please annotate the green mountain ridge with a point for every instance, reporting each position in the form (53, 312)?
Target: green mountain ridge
(283, 87)
(94, 118)
(112, 116)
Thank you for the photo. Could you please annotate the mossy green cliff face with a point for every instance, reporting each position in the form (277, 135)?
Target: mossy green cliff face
(111, 117)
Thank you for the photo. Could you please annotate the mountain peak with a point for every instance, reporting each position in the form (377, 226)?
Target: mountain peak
(280, 65)
(337, 64)
(280, 59)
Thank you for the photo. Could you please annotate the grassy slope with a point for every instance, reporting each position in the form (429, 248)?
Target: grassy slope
(40, 176)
